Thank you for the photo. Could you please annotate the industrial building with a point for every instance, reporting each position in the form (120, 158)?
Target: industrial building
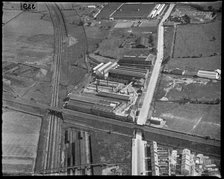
(92, 100)
(126, 75)
(102, 69)
(117, 96)
(139, 62)
(209, 74)
(142, 42)
(157, 10)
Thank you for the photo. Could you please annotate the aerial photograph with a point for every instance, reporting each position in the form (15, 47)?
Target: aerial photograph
(111, 88)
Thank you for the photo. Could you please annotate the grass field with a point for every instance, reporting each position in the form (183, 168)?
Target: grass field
(128, 11)
(195, 64)
(20, 135)
(110, 47)
(203, 120)
(168, 38)
(29, 39)
(198, 40)
(94, 36)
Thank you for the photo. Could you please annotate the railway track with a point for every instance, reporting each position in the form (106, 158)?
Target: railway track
(93, 122)
(52, 158)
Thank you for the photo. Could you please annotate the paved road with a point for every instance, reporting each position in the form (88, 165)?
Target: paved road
(138, 150)
(155, 73)
(138, 155)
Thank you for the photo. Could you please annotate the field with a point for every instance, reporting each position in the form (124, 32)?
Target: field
(195, 64)
(20, 135)
(9, 15)
(29, 38)
(202, 40)
(175, 88)
(31, 43)
(111, 148)
(107, 10)
(203, 120)
(197, 47)
(110, 45)
(168, 38)
(128, 11)
(95, 34)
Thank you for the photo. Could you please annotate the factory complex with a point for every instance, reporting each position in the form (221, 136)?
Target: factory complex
(114, 90)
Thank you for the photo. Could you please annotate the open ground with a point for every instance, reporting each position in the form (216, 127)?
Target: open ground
(20, 135)
(198, 119)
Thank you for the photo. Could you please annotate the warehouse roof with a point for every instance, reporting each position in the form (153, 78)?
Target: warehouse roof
(129, 58)
(142, 41)
(132, 69)
(127, 73)
(114, 95)
(142, 66)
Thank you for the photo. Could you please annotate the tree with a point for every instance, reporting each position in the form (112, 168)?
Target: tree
(80, 23)
(210, 8)
(186, 19)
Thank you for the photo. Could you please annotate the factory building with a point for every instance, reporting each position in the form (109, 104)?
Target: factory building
(208, 74)
(126, 75)
(132, 69)
(157, 10)
(139, 62)
(76, 98)
(156, 121)
(142, 42)
(103, 68)
(116, 96)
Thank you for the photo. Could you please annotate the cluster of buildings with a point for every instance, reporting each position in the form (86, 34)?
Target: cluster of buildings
(162, 161)
(157, 10)
(115, 88)
(126, 70)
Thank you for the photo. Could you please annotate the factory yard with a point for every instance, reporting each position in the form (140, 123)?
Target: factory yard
(176, 88)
